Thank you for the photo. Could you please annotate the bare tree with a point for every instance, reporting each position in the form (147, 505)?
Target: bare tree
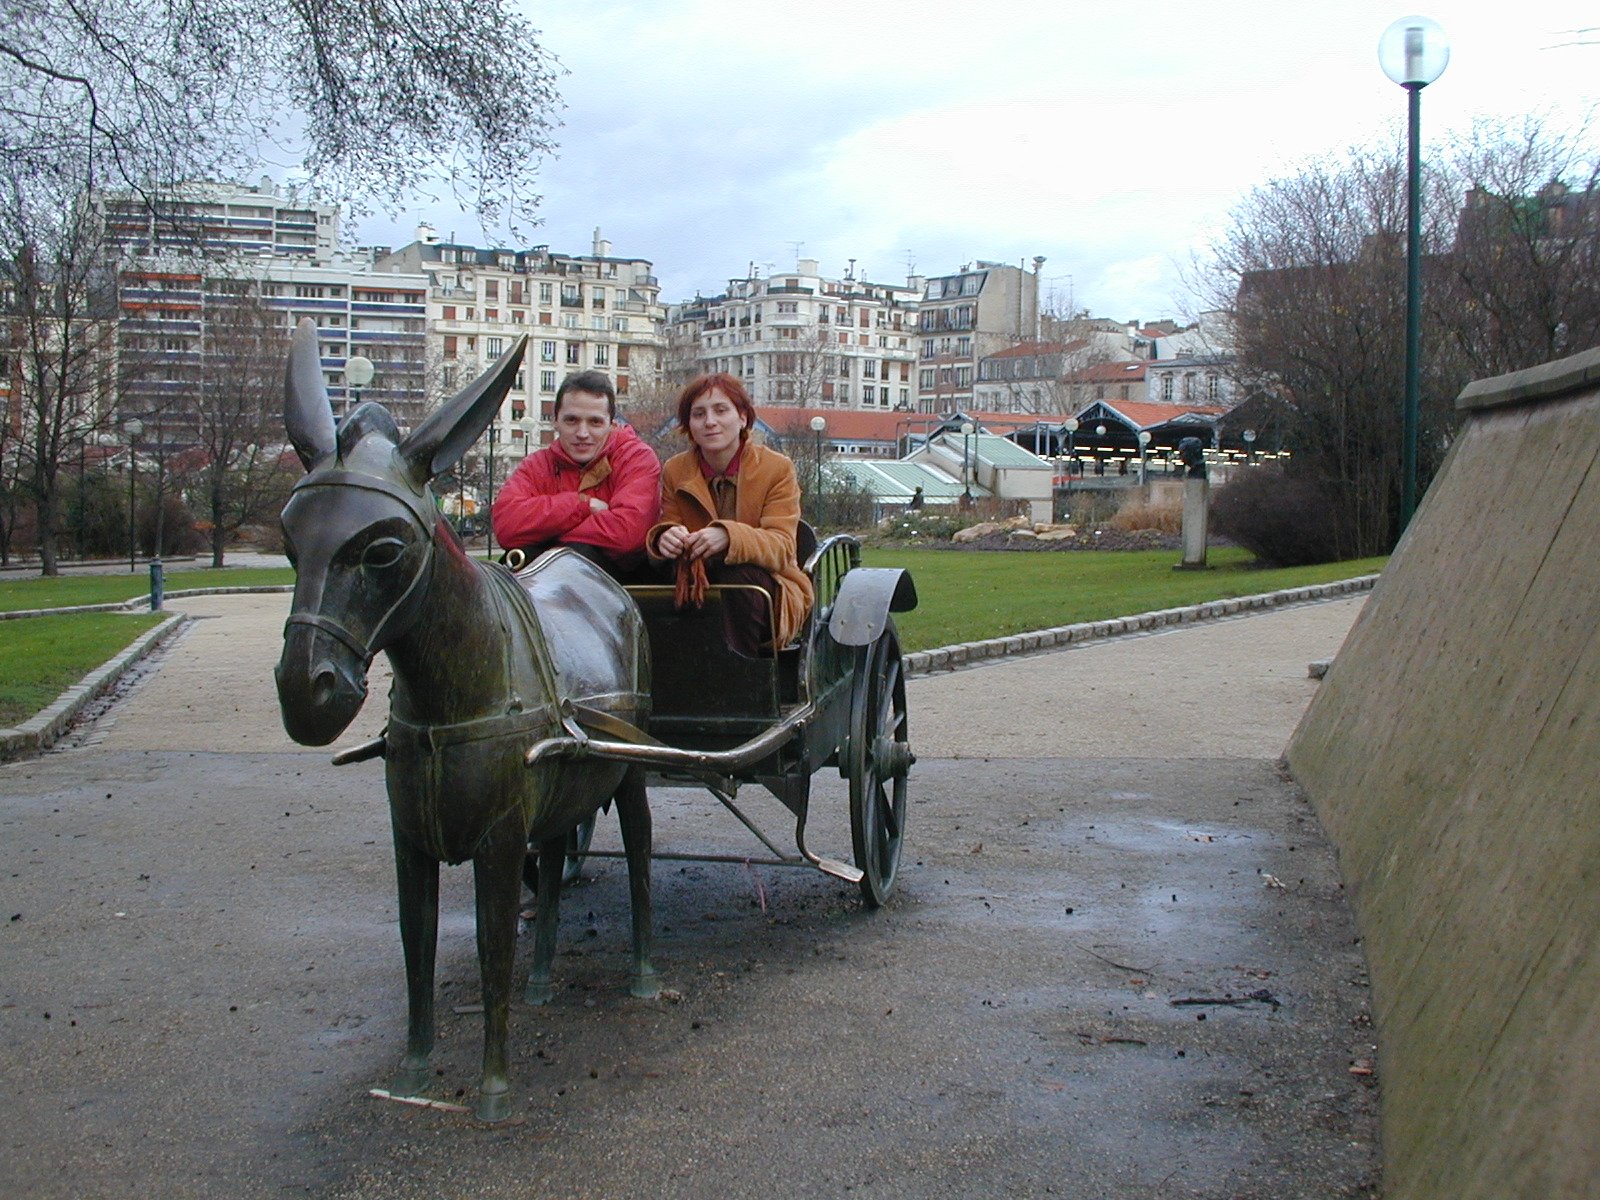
(1314, 266)
(241, 475)
(1524, 275)
(60, 305)
(375, 98)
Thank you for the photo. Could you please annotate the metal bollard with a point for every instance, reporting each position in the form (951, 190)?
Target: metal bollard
(157, 585)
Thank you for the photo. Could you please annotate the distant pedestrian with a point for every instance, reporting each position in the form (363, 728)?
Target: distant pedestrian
(916, 499)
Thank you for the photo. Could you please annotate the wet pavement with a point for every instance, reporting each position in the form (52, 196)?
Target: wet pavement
(1118, 961)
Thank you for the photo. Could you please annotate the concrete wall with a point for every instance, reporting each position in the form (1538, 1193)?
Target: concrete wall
(1453, 753)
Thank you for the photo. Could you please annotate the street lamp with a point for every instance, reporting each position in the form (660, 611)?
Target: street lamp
(818, 424)
(1072, 447)
(357, 374)
(1249, 445)
(966, 462)
(489, 514)
(133, 427)
(1100, 450)
(1413, 52)
(1144, 445)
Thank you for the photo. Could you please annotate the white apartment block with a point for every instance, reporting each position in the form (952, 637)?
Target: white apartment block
(194, 253)
(580, 312)
(797, 338)
(210, 219)
(967, 316)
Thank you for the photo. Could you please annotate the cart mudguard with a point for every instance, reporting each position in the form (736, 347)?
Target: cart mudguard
(866, 598)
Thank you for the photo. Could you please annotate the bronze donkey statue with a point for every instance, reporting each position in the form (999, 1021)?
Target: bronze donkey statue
(485, 664)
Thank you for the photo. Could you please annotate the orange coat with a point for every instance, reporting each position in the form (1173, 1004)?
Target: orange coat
(768, 504)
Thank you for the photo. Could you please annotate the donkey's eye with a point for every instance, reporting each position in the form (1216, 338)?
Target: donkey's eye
(384, 552)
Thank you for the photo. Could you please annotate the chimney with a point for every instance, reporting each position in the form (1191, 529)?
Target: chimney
(602, 248)
(426, 234)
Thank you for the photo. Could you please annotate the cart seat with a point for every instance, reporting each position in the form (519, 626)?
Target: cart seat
(703, 692)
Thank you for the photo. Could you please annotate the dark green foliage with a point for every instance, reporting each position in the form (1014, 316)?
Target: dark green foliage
(1282, 520)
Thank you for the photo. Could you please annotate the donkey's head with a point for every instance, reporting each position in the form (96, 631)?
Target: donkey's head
(359, 529)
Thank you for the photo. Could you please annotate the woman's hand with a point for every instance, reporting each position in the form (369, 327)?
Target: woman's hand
(670, 543)
(705, 543)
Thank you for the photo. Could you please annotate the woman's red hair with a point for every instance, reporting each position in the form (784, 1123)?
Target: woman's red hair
(729, 387)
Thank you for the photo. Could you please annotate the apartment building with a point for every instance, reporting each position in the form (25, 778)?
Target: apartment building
(191, 264)
(800, 338)
(962, 318)
(211, 219)
(586, 311)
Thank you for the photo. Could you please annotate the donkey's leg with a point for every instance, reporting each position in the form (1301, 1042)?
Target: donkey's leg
(546, 910)
(633, 811)
(497, 876)
(418, 877)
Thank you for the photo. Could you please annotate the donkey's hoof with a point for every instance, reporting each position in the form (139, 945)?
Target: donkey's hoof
(539, 992)
(646, 985)
(410, 1080)
(494, 1106)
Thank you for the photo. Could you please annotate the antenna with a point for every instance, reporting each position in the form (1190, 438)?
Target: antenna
(795, 248)
(911, 263)
(850, 272)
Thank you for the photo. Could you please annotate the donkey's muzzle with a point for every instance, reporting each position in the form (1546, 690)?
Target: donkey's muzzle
(320, 687)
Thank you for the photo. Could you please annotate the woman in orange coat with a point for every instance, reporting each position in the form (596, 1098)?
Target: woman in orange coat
(734, 507)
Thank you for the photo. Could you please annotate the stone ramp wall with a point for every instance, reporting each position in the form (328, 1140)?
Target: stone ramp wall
(1453, 754)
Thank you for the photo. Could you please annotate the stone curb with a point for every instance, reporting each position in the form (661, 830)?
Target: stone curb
(953, 658)
(142, 603)
(41, 732)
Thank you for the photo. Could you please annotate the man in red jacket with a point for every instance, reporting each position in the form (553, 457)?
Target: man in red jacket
(596, 488)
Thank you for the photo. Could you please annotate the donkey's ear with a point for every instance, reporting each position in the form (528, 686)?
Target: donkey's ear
(440, 441)
(307, 415)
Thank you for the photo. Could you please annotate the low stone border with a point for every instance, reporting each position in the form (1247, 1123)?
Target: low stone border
(966, 654)
(40, 733)
(142, 603)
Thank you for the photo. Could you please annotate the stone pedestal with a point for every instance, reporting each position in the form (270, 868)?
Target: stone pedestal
(1196, 501)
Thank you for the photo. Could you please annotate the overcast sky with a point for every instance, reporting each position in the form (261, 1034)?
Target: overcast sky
(1111, 138)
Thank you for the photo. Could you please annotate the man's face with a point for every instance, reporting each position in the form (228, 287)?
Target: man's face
(583, 424)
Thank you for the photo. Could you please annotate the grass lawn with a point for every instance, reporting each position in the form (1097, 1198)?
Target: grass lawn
(41, 657)
(63, 591)
(965, 596)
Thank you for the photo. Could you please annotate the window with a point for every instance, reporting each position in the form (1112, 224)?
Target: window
(925, 379)
(622, 357)
(450, 346)
(545, 293)
(598, 323)
(1166, 388)
(1213, 388)
(602, 356)
(787, 307)
(491, 289)
(547, 352)
(569, 320)
(547, 381)
(495, 347)
(574, 353)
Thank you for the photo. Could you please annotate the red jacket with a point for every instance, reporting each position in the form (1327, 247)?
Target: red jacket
(547, 497)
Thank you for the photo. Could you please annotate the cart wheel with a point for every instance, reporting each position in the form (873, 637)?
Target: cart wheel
(577, 846)
(878, 759)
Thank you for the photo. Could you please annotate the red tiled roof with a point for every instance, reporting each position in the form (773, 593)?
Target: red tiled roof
(1030, 349)
(844, 424)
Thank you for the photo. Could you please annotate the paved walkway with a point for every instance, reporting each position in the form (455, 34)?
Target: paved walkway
(1118, 961)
